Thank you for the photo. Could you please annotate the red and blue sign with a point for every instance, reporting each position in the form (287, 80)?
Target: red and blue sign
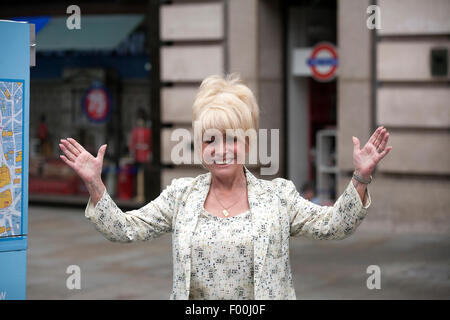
(323, 62)
(96, 103)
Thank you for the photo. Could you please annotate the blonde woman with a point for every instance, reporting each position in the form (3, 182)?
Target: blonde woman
(230, 230)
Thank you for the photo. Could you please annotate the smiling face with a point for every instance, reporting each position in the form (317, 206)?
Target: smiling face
(223, 104)
(223, 155)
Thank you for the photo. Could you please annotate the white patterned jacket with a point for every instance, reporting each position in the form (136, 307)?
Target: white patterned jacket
(278, 212)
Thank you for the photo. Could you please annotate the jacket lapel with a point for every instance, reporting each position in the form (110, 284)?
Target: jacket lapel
(260, 207)
(201, 189)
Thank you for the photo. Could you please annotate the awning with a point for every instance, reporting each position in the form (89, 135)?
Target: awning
(38, 21)
(98, 32)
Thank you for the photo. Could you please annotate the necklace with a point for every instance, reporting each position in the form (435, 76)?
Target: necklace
(225, 209)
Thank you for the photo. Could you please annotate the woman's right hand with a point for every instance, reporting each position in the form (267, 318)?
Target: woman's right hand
(88, 167)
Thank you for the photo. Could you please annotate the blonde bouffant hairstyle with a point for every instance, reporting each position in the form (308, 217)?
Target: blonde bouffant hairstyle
(225, 103)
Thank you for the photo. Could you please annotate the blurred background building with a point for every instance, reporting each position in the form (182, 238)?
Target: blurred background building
(137, 59)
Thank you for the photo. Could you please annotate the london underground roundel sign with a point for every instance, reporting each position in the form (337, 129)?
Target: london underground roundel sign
(323, 61)
(97, 103)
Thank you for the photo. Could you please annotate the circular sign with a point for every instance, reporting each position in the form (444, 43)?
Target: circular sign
(97, 103)
(323, 61)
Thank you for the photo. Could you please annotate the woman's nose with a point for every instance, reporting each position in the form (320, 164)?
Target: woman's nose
(222, 150)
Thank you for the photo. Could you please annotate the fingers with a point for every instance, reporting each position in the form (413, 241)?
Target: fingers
(67, 152)
(78, 146)
(356, 144)
(101, 152)
(385, 152)
(374, 136)
(384, 141)
(71, 147)
(379, 138)
(67, 161)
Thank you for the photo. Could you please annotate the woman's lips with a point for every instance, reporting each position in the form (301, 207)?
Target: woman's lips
(223, 163)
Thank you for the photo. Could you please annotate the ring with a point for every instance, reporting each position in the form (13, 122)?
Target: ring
(379, 150)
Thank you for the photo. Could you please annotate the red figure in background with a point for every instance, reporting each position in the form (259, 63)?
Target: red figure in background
(141, 140)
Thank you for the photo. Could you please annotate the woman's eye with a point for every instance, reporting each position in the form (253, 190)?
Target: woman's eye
(209, 141)
(232, 139)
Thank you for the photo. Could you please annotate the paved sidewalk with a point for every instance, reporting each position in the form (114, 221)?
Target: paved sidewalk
(413, 266)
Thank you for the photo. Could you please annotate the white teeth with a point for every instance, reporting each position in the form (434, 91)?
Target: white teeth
(224, 162)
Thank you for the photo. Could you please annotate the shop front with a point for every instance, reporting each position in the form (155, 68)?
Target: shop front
(96, 93)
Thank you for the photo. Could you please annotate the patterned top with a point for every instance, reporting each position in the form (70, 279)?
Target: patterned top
(278, 212)
(222, 258)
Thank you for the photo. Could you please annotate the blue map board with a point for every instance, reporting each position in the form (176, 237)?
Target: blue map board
(14, 133)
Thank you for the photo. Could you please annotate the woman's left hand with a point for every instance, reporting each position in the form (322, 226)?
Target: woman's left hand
(375, 149)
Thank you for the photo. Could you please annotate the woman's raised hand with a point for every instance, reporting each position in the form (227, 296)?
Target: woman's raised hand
(88, 167)
(374, 150)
